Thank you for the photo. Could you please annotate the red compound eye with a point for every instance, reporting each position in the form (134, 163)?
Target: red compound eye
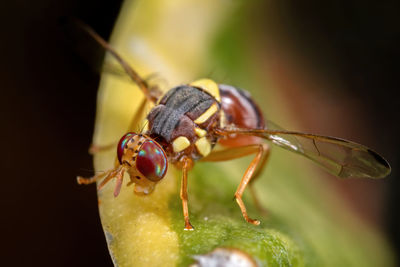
(122, 143)
(151, 161)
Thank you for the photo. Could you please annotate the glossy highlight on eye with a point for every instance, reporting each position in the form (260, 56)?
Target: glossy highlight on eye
(122, 143)
(152, 161)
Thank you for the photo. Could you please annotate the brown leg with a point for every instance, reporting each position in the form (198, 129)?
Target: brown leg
(120, 176)
(83, 180)
(254, 169)
(260, 168)
(186, 164)
(117, 172)
(152, 96)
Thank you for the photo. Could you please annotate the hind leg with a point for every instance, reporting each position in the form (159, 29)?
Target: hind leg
(253, 170)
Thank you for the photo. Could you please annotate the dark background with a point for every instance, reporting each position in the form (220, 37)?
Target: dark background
(47, 117)
(48, 97)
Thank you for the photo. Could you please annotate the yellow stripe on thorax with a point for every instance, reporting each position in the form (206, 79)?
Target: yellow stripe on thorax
(207, 114)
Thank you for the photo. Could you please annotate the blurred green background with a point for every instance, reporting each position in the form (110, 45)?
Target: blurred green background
(330, 68)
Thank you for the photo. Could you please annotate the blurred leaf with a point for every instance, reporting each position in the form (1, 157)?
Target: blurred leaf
(307, 225)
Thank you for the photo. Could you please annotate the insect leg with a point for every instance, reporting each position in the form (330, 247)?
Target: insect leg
(113, 173)
(255, 167)
(150, 95)
(83, 180)
(257, 173)
(118, 184)
(117, 172)
(187, 163)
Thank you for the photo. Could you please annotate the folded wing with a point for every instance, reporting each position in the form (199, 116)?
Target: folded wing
(340, 157)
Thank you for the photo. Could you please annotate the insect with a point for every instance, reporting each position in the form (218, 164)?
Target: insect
(189, 120)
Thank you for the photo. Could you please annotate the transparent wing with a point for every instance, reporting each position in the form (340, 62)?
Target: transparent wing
(340, 157)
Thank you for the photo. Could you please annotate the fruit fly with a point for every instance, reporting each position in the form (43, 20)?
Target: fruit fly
(189, 120)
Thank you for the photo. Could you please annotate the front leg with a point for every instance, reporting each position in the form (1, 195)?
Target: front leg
(117, 172)
(186, 165)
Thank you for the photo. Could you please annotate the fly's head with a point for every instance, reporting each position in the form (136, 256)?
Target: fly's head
(144, 159)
